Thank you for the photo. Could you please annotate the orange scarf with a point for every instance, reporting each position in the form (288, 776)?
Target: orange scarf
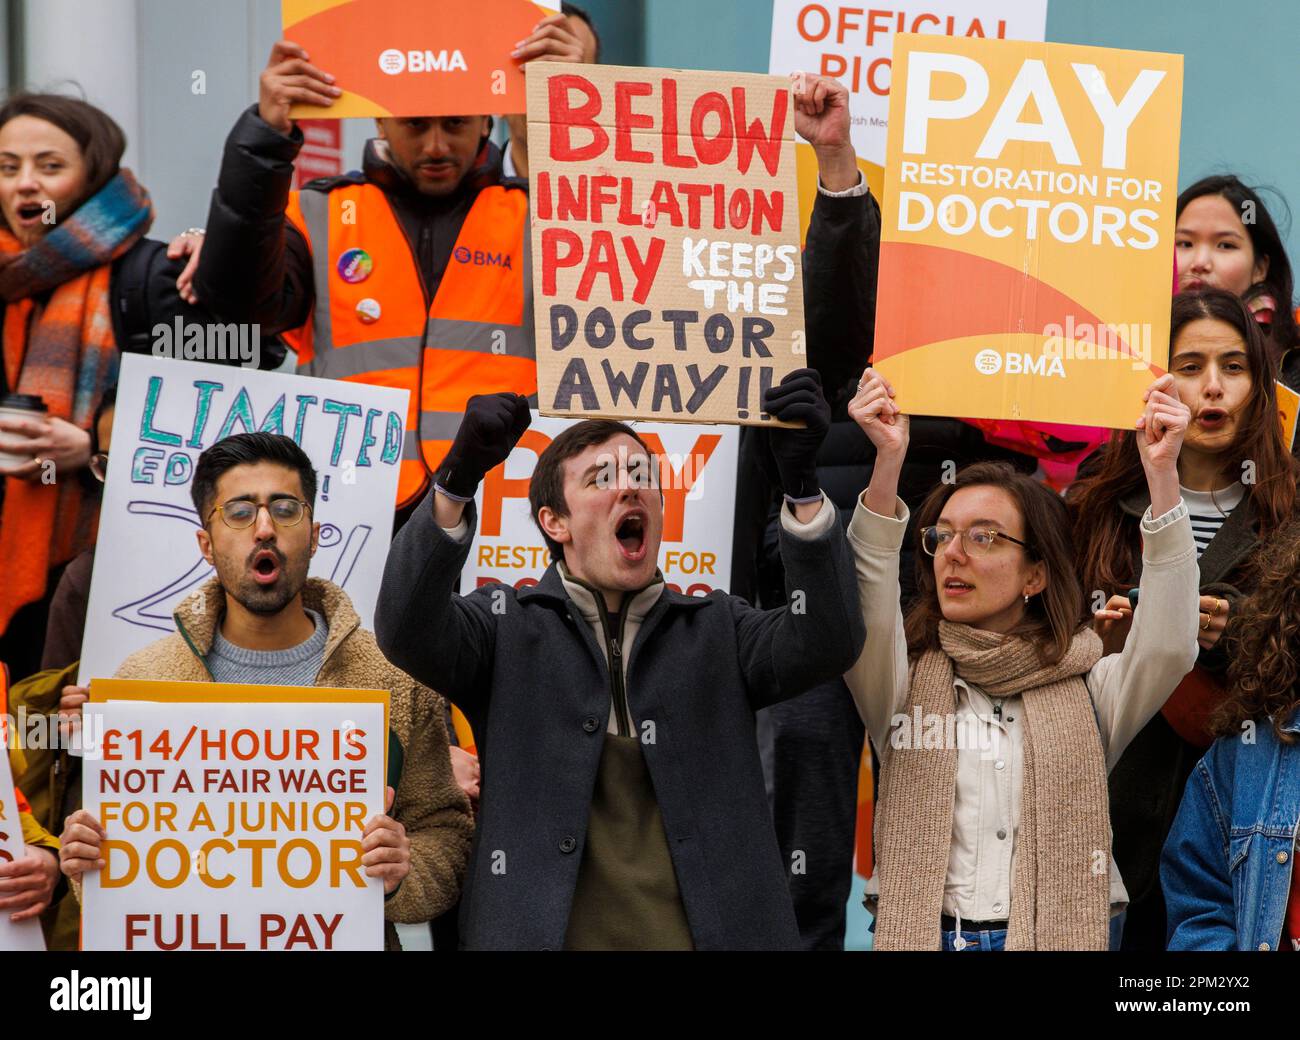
(45, 525)
(61, 348)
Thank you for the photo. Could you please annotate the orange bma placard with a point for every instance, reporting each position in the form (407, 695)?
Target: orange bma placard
(397, 58)
(1027, 229)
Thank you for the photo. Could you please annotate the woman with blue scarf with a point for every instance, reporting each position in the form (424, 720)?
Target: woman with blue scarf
(79, 282)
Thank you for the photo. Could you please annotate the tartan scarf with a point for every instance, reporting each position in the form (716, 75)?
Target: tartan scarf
(1060, 900)
(61, 348)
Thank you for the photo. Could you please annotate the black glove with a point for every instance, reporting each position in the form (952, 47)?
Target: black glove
(798, 398)
(491, 428)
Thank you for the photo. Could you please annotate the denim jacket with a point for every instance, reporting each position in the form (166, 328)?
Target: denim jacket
(1226, 868)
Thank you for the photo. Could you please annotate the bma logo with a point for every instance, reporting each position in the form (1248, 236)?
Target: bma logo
(479, 258)
(393, 62)
(990, 363)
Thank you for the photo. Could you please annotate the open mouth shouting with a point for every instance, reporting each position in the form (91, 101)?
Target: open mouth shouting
(629, 532)
(1211, 419)
(30, 213)
(266, 565)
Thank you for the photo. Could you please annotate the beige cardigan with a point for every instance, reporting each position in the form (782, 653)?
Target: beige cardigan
(1127, 689)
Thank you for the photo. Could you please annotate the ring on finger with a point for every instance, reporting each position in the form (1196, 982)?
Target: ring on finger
(1220, 605)
(1205, 626)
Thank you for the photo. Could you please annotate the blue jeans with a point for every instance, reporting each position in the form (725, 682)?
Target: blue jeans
(996, 938)
(1117, 929)
(988, 939)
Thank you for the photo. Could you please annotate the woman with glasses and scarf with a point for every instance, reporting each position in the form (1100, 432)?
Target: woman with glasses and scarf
(995, 716)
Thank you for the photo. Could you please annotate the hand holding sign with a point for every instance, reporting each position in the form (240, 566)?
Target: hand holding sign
(386, 848)
(798, 399)
(554, 39)
(80, 844)
(289, 79)
(873, 409)
(70, 704)
(27, 884)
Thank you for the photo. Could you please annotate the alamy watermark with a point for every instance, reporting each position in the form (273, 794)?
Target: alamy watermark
(208, 341)
(949, 731)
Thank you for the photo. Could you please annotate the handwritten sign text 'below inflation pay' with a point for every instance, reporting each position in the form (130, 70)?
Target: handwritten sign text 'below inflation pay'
(666, 241)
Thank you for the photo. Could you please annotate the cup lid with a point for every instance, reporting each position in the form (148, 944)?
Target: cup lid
(26, 402)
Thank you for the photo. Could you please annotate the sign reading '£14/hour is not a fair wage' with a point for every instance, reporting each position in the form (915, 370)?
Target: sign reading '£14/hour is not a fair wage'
(665, 233)
(234, 816)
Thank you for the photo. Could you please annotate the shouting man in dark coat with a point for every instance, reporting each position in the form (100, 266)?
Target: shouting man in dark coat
(622, 803)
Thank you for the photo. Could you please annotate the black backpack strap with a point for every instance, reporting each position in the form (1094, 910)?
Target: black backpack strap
(129, 293)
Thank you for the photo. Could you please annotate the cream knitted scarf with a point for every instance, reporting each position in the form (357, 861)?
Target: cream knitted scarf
(1061, 878)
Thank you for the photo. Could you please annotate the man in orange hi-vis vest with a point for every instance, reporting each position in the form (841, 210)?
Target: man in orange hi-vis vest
(412, 272)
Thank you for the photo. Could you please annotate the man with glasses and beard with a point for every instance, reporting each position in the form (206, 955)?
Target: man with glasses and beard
(262, 621)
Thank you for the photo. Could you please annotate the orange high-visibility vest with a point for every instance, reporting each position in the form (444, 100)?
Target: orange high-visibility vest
(369, 324)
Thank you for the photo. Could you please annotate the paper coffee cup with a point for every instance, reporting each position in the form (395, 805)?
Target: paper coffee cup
(19, 406)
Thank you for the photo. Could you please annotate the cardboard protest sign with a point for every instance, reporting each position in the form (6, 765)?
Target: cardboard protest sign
(168, 412)
(855, 45)
(234, 816)
(665, 242)
(396, 58)
(1027, 229)
(697, 475)
(19, 936)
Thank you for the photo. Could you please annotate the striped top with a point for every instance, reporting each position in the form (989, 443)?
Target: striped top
(1209, 509)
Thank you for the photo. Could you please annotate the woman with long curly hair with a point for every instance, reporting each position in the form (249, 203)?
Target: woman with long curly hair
(1227, 869)
(994, 713)
(1238, 479)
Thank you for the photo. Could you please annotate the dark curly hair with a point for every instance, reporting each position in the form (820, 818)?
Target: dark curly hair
(1263, 637)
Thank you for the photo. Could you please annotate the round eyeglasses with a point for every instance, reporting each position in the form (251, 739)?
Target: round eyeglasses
(241, 513)
(975, 541)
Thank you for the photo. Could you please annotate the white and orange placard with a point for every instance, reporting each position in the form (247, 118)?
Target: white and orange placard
(167, 415)
(14, 935)
(697, 475)
(666, 266)
(397, 58)
(234, 816)
(1027, 229)
(854, 44)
